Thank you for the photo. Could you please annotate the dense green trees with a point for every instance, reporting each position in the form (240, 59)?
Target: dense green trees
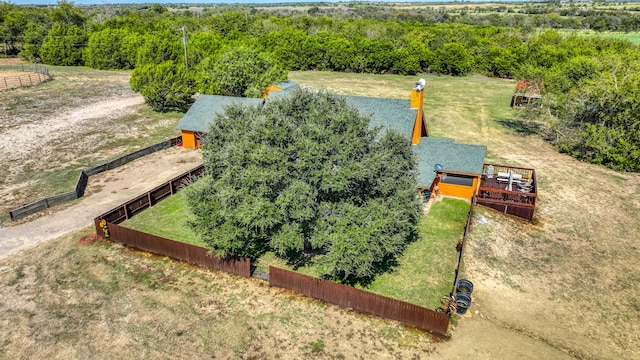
(373, 39)
(305, 177)
(591, 104)
(239, 71)
(165, 86)
(106, 51)
(63, 45)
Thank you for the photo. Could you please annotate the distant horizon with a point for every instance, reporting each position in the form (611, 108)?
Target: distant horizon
(195, 2)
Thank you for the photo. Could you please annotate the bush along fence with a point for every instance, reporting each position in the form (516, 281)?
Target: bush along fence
(33, 74)
(83, 179)
(346, 296)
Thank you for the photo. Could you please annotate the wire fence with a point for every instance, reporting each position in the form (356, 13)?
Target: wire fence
(19, 75)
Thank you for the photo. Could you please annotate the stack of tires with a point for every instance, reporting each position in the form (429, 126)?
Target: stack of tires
(464, 288)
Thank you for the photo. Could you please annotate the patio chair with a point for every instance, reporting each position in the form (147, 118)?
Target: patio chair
(526, 185)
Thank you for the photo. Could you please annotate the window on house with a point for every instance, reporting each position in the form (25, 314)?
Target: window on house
(457, 179)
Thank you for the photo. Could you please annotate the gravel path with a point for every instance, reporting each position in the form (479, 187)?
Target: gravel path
(104, 192)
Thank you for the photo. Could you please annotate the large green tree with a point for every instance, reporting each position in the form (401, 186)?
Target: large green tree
(63, 45)
(304, 176)
(109, 49)
(165, 86)
(239, 71)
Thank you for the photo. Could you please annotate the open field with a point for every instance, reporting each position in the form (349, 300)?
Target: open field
(562, 287)
(634, 37)
(53, 130)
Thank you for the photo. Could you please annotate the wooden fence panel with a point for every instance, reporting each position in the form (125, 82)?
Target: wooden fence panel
(361, 300)
(525, 212)
(160, 193)
(150, 198)
(175, 249)
(83, 179)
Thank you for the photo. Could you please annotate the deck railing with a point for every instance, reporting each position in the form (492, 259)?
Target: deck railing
(494, 193)
(507, 197)
(526, 173)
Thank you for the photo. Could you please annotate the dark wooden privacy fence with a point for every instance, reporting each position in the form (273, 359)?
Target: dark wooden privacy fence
(83, 179)
(176, 250)
(338, 294)
(361, 300)
(150, 198)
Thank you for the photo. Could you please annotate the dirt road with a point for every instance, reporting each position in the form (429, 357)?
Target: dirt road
(105, 191)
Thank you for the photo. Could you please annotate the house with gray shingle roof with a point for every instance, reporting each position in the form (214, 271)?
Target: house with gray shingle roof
(444, 167)
(403, 116)
(197, 120)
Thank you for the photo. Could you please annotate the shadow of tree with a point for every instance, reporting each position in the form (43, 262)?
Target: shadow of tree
(522, 127)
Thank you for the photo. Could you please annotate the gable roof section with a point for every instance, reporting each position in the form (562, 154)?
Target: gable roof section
(460, 158)
(388, 114)
(286, 87)
(204, 110)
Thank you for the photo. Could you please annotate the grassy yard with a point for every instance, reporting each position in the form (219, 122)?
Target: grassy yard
(167, 219)
(424, 272)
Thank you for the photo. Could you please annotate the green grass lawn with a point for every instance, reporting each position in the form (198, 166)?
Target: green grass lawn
(167, 219)
(424, 272)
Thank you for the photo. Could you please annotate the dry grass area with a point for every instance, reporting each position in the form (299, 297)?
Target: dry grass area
(562, 287)
(569, 280)
(53, 130)
(66, 300)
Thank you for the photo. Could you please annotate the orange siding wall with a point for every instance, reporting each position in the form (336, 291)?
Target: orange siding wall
(416, 99)
(189, 140)
(419, 127)
(461, 191)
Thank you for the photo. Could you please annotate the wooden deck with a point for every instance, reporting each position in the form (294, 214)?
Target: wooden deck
(494, 192)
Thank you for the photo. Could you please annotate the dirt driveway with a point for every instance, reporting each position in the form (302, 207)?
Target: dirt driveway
(105, 191)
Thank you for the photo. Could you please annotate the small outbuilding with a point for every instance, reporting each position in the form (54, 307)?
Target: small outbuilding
(528, 94)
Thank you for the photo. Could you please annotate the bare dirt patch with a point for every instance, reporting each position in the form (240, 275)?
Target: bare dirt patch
(104, 192)
(31, 142)
(80, 119)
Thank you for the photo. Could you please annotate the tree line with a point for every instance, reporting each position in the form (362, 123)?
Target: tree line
(588, 82)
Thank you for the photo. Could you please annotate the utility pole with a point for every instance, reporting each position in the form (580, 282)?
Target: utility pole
(184, 44)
